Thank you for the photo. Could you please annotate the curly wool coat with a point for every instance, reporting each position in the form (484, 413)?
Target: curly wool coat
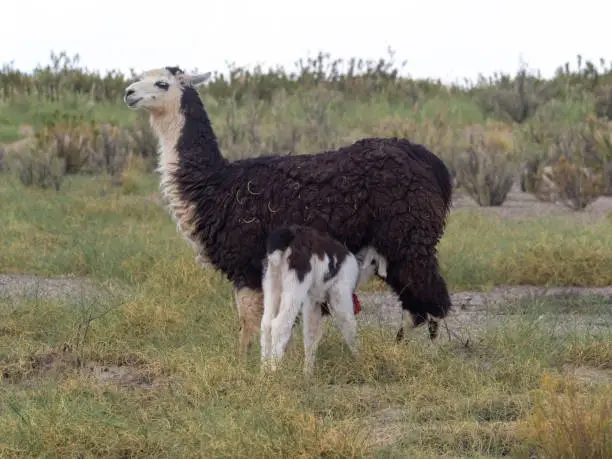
(388, 193)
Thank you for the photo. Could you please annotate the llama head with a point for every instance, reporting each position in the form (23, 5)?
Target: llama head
(159, 89)
(370, 263)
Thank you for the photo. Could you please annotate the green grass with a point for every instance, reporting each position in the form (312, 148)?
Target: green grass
(320, 119)
(146, 364)
(169, 335)
(92, 229)
(191, 397)
(28, 110)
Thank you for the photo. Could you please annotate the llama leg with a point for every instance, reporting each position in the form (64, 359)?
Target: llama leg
(250, 311)
(282, 324)
(433, 324)
(409, 320)
(313, 331)
(440, 306)
(341, 302)
(272, 290)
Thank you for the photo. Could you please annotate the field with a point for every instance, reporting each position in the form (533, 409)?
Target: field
(113, 343)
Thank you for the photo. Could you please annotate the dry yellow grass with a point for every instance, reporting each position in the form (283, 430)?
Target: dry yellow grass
(569, 421)
(149, 367)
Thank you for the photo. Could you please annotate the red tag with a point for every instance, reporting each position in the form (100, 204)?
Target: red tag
(356, 304)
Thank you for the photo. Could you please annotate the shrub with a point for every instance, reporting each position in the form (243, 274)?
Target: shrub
(603, 101)
(317, 105)
(292, 123)
(486, 170)
(41, 168)
(69, 145)
(599, 133)
(110, 151)
(569, 162)
(533, 182)
(144, 140)
(512, 99)
(578, 186)
(240, 131)
(69, 138)
(437, 135)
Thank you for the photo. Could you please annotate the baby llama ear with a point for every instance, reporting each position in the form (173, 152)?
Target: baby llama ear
(382, 267)
(200, 79)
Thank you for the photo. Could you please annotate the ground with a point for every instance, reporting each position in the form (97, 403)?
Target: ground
(133, 354)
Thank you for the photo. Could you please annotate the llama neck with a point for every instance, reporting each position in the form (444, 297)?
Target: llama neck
(198, 142)
(168, 130)
(186, 135)
(189, 154)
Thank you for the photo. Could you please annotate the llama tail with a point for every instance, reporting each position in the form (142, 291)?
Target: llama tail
(277, 243)
(440, 172)
(274, 259)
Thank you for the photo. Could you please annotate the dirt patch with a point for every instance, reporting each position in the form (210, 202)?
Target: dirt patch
(475, 311)
(48, 288)
(519, 205)
(123, 376)
(62, 362)
(385, 427)
(589, 375)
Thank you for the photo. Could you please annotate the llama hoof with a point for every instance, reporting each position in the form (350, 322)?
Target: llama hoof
(433, 329)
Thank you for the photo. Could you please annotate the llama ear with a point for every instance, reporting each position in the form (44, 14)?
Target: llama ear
(382, 267)
(200, 78)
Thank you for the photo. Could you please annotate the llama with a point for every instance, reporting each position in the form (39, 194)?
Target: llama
(387, 193)
(302, 269)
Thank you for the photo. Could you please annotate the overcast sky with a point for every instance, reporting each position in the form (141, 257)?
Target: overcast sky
(446, 39)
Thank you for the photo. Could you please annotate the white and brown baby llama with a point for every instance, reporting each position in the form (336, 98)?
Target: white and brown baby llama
(303, 269)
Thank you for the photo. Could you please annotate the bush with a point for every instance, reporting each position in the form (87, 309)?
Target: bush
(569, 162)
(578, 186)
(67, 137)
(69, 145)
(144, 140)
(532, 180)
(600, 135)
(110, 151)
(603, 102)
(513, 99)
(41, 168)
(297, 123)
(437, 135)
(486, 170)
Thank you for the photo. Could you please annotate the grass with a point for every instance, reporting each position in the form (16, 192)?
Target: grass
(190, 397)
(144, 363)
(92, 229)
(28, 110)
(149, 368)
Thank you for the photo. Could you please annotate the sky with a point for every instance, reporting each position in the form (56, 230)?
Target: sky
(445, 39)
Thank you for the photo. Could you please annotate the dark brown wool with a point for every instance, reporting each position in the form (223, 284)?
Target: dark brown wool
(388, 193)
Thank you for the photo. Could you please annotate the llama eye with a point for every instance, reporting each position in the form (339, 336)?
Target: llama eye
(162, 84)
